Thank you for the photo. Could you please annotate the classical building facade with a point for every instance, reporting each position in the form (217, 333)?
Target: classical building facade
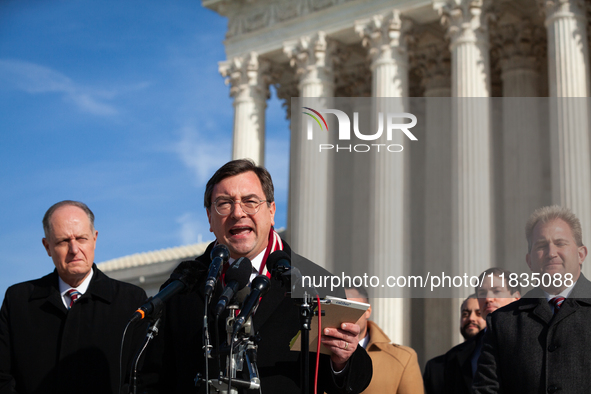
(462, 196)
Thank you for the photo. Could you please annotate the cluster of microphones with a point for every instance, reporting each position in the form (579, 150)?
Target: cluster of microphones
(236, 278)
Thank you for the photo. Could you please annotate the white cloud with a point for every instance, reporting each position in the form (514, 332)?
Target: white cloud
(202, 155)
(36, 79)
(193, 230)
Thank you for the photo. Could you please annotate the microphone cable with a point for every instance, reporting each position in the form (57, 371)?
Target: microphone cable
(205, 341)
(318, 345)
(121, 355)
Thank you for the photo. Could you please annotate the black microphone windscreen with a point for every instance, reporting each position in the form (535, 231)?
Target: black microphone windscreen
(275, 257)
(240, 272)
(221, 251)
(187, 272)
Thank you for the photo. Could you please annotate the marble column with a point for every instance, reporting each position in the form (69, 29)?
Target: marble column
(389, 225)
(432, 59)
(519, 44)
(568, 73)
(250, 89)
(568, 51)
(309, 191)
(471, 210)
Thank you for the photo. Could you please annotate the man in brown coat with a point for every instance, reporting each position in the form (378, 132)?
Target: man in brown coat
(395, 367)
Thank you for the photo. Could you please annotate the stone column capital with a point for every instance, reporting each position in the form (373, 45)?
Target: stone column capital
(518, 43)
(432, 59)
(385, 36)
(248, 76)
(562, 8)
(312, 56)
(465, 20)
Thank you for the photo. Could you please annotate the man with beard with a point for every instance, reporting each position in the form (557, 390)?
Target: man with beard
(471, 323)
(461, 361)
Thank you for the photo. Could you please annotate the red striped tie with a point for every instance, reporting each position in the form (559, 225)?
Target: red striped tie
(73, 294)
(556, 302)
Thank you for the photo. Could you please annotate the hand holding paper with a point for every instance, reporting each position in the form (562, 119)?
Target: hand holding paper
(342, 342)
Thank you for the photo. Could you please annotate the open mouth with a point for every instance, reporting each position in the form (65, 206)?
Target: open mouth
(240, 230)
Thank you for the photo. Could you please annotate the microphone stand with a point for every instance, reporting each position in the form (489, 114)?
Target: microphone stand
(306, 312)
(206, 346)
(305, 323)
(241, 351)
(151, 334)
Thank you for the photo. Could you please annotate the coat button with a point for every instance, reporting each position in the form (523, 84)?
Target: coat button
(553, 389)
(553, 347)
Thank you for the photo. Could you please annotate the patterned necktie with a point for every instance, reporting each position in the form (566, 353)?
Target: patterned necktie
(556, 302)
(73, 294)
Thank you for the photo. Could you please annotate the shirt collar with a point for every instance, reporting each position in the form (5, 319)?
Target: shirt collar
(64, 287)
(363, 342)
(256, 264)
(564, 293)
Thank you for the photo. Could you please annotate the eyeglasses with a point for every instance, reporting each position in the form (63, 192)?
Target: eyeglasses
(250, 206)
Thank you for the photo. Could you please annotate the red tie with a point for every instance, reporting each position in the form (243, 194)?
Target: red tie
(73, 294)
(556, 302)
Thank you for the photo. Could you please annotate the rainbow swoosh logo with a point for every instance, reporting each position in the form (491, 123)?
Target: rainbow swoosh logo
(315, 118)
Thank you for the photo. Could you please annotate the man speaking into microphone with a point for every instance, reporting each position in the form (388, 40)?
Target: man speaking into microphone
(240, 208)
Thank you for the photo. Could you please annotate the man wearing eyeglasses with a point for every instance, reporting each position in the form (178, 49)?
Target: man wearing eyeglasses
(240, 208)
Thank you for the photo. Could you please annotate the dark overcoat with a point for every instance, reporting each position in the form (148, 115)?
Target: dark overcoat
(458, 374)
(527, 349)
(44, 348)
(433, 375)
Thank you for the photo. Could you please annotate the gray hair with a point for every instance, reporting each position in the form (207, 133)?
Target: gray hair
(549, 213)
(47, 217)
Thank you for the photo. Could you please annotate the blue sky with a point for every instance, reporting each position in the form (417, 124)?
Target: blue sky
(118, 104)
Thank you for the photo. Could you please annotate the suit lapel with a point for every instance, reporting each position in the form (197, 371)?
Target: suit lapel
(543, 310)
(580, 295)
(49, 291)
(272, 300)
(535, 301)
(569, 306)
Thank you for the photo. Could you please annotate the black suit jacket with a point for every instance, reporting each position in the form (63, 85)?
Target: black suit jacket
(527, 349)
(276, 321)
(44, 348)
(433, 376)
(458, 374)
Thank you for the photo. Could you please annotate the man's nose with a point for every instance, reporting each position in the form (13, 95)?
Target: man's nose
(552, 250)
(74, 247)
(237, 211)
